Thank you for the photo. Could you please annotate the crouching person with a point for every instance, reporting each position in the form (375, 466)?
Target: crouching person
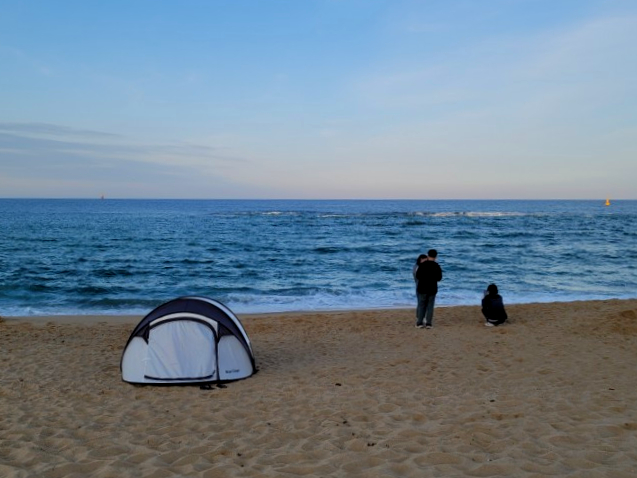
(493, 307)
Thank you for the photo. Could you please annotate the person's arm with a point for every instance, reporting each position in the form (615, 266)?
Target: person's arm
(485, 303)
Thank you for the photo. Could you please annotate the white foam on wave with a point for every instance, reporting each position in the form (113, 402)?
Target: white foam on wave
(478, 214)
(322, 301)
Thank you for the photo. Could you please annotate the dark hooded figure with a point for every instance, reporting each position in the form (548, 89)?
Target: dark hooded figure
(493, 307)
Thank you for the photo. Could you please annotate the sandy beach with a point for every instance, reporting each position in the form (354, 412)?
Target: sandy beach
(356, 393)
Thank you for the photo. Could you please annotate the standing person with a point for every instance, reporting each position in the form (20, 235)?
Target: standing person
(428, 275)
(421, 258)
(493, 307)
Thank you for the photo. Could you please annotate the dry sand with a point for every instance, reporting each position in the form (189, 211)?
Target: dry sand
(552, 393)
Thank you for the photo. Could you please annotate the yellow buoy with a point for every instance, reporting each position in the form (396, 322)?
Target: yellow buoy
(607, 202)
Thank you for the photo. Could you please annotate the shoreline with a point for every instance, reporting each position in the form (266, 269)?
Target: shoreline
(89, 319)
(343, 393)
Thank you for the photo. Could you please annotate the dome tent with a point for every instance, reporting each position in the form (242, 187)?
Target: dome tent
(188, 340)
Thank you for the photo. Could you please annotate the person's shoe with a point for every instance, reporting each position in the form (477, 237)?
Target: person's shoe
(420, 326)
(428, 326)
(489, 324)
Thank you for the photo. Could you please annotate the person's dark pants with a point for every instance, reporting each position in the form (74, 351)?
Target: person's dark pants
(425, 309)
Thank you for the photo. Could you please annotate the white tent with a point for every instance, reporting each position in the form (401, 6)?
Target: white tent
(188, 340)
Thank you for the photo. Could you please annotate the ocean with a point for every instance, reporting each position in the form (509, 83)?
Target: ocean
(85, 256)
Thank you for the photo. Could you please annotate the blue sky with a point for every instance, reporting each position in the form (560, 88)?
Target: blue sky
(319, 99)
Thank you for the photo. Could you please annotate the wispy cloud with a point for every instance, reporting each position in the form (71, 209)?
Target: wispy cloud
(31, 139)
(33, 63)
(58, 155)
(589, 57)
(52, 130)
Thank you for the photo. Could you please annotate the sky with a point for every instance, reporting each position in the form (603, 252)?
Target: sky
(319, 99)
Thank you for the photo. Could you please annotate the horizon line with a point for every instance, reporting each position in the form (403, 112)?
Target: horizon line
(106, 198)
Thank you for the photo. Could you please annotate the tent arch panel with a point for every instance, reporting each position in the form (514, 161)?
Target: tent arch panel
(234, 362)
(181, 350)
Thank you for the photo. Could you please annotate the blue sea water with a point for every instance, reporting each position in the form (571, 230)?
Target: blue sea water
(129, 256)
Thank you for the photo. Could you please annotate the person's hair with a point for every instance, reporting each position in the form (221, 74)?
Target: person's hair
(493, 289)
(432, 253)
(420, 258)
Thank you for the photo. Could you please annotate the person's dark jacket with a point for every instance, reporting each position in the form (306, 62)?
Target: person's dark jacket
(493, 309)
(427, 277)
